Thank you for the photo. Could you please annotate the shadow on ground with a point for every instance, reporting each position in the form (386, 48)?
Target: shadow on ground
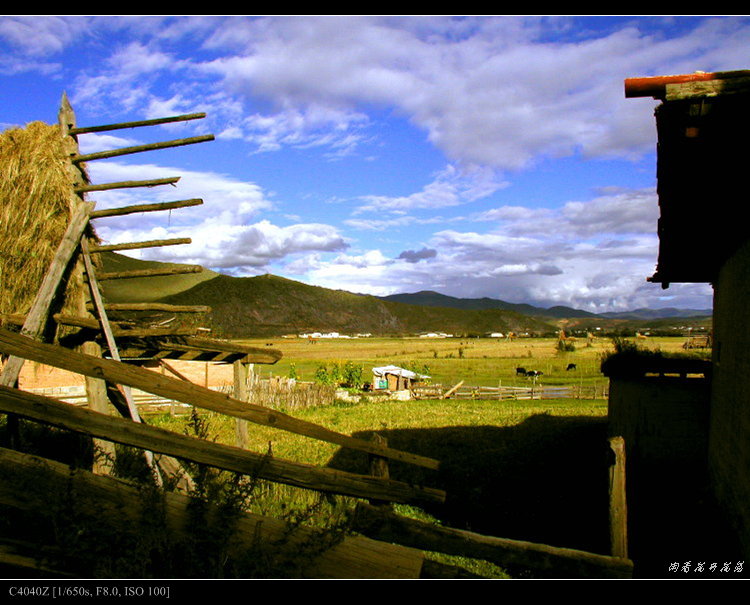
(544, 480)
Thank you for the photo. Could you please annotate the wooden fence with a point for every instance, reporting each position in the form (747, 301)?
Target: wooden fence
(276, 394)
(502, 393)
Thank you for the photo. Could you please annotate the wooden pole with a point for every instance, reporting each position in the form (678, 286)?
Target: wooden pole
(157, 307)
(127, 185)
(123, 125)
(155, 207)
(101, 155)
(150, 272)
(154, 243)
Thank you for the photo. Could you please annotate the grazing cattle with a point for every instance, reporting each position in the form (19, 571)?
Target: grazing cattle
(520, 371)
(534, 373)
(571, 366)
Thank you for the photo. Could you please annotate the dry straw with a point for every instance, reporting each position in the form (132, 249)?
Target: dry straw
(36, 203)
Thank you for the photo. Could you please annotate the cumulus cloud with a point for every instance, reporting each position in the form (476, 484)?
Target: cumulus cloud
(224, 236)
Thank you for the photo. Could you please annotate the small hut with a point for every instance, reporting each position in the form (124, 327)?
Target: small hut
(393, 378)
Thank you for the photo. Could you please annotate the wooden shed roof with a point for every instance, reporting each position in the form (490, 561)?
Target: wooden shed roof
(702, 125)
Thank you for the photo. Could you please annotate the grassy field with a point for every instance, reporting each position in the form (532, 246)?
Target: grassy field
(527, 470)
(477, 361)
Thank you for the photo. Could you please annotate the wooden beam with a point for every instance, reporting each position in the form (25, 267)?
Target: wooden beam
(37, 317)
(151, 438)
(123, 125)
(150, 272)
(154, 243)
(126, 185)
(214, 344)
(157, 307)
(551, 561)
(172, 388)
(155, 207)
(101, 155)
(131, 352)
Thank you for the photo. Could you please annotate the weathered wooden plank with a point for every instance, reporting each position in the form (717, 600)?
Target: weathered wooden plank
(351, 558)
(155, 207)
(154, 243)
(101, 155)
(380, 524)
(172, 388)
(136, 124)
(39, 313)
(150, 438)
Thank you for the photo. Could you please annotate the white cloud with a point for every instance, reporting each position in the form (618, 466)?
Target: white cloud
(451, 187)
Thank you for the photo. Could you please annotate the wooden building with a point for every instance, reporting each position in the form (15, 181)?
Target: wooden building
(703, 123)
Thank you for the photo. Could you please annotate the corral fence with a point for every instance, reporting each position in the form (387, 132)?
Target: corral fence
(275, 393)
(502, 393)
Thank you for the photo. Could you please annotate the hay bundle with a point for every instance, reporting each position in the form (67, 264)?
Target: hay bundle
(36, 204)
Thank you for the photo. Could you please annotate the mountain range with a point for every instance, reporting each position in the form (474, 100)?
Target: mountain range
(269, 305)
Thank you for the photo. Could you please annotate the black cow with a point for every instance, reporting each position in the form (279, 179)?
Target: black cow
(534, 373)
(520, 371)
(571, 366)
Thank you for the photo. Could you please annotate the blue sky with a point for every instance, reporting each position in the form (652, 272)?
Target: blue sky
(476, 156)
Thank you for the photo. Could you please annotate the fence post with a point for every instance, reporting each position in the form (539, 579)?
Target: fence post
(618, 511)
(242, 372)
(379, 468)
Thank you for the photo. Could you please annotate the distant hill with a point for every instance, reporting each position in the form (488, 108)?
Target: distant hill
(270, 306)
(665, 313)
(435, 299)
